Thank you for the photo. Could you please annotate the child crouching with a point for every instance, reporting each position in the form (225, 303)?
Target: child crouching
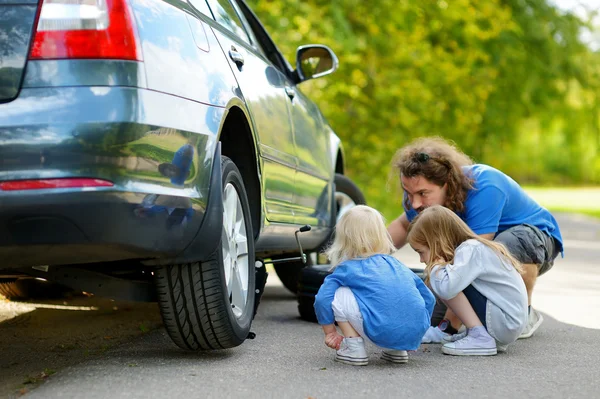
(372, 296)
(477, 278)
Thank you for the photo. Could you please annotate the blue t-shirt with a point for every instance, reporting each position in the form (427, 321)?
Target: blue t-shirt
(497, 203)
(395, 304)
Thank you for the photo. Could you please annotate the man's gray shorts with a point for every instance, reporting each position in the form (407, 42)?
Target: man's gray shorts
(530, 245)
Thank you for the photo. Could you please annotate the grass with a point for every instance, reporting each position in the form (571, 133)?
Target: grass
(585, 200)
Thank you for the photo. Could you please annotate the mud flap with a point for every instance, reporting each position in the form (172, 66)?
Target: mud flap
(260, 281)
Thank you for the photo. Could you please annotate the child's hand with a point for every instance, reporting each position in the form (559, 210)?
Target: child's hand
(333, 340)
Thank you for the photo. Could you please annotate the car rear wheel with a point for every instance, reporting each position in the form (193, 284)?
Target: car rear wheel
(347, 195)
(209, 305)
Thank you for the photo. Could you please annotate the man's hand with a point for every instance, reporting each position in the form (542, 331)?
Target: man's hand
(333, 340)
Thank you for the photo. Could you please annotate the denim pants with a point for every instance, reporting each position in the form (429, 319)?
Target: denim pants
(478, 302)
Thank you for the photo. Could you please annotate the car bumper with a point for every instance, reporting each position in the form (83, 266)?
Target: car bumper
(94, 226)
(122, 135)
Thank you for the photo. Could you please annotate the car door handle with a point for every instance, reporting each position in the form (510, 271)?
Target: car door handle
(290, 92)
(236, 56)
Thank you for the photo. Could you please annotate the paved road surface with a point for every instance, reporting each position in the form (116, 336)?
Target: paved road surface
(289, 360)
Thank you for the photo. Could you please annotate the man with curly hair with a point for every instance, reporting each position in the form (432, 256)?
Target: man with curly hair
(433, 171)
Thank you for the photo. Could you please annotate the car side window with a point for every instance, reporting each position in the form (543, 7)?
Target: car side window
(201, 6)
(226, 16)
(262, 39)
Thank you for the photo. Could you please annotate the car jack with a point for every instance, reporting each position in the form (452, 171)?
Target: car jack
(261, 273)
(302, 256)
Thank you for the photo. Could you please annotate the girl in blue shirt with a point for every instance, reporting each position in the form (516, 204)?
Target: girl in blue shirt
(370, 294)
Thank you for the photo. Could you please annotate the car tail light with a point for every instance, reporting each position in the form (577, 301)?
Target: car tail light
(41, 184)
(85, 29)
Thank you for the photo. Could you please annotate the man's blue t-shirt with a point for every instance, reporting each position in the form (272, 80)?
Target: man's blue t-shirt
(497, 203)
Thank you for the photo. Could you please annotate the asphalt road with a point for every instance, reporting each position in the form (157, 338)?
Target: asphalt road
(289, 360)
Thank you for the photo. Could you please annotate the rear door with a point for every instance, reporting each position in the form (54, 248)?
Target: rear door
(16, 29)
(314, 173)
(263, 89)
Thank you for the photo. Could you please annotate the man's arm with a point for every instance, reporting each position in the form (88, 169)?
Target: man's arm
(398, 229)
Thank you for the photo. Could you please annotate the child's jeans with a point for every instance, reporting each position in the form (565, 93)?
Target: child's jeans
(345, 308)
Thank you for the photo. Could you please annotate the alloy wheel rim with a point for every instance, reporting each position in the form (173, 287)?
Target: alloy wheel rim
(344, 204)
(234, 243)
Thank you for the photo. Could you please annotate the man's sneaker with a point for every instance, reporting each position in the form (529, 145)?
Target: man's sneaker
(501, 348)
(454, 337)
(352, 351)
(395, 356)
(535, 320)
(477, 342)
(433, 335)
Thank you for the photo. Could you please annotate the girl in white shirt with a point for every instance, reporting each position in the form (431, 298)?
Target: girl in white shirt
(477, 278)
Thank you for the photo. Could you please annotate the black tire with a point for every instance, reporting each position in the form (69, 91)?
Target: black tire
(289, 272)
(193, 298)
(306, 308)
(346, 186)
(347, 195)
(31, 288)
(311, 279)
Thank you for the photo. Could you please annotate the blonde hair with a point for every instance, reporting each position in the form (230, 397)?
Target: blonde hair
(442, 231)
(360, 233)
(440, 162)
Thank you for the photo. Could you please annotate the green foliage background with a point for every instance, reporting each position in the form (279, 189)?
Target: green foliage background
(508, 80)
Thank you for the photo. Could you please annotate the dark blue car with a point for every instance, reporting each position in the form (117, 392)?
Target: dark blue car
(156, 150)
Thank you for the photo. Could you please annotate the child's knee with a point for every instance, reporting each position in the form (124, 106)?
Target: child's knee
(344, 303)
(343, 292)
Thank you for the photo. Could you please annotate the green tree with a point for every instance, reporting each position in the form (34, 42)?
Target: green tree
(508, 80)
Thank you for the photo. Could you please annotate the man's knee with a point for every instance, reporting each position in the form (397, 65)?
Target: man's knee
(530, 273)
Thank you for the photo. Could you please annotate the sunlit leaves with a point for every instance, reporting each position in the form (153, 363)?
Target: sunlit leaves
(508, 80)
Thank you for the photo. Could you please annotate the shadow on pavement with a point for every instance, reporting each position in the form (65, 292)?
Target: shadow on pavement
(37, 339)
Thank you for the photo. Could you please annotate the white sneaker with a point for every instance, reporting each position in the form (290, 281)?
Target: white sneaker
(454, 337)
(395, 356)
(433, 335)
(477, 342)
(352, 351)
(535, 320)
(501, 348)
